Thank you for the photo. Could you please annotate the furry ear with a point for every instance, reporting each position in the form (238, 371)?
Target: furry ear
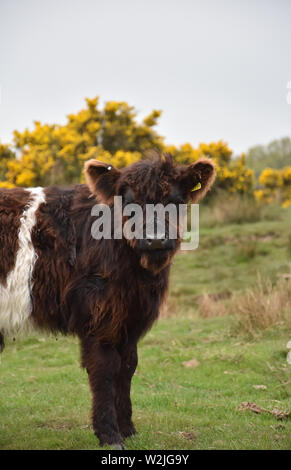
(196, 179)
(101, 179)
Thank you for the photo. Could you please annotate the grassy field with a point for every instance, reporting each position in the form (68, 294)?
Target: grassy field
(45, 399)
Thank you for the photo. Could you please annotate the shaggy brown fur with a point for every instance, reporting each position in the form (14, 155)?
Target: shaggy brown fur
(108, 292)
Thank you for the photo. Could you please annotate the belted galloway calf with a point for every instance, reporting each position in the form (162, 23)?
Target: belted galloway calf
(56, 276)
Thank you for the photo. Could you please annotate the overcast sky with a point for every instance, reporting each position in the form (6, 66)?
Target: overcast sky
(217, 68)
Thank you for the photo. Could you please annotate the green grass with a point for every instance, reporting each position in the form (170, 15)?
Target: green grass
(45, 398)
(230, 257)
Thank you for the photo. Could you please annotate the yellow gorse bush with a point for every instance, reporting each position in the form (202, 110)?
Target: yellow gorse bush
(276, 186)
(232, 174)
(55, 154)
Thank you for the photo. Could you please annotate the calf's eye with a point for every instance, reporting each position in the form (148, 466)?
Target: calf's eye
(127, 196)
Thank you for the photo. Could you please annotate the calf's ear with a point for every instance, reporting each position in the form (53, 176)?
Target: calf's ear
(101, 179)
(196, 179)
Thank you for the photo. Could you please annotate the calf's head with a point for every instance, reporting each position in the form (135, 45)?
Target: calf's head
(150, 184)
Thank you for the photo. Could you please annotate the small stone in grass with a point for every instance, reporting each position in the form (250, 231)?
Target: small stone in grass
(191, 364)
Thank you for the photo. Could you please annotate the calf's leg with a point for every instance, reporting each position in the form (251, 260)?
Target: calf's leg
(2, 344)
(103, 366)
(123, 402)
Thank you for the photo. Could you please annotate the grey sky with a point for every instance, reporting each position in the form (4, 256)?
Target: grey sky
(217, 68)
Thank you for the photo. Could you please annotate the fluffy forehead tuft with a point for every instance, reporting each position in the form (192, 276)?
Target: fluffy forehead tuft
(151, 178)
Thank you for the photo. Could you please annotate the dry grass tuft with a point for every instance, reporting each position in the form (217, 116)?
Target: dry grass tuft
(169, 308)
(237, 210)
(257, 308)
(210, 307)
(263, 306)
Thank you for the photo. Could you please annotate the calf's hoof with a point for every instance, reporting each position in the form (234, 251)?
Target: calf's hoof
(119, 446)
(112, 440)
(127, 431)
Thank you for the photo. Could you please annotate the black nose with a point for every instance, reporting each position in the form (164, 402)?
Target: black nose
(159, 244)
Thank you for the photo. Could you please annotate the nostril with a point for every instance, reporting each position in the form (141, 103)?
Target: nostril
(168, 243)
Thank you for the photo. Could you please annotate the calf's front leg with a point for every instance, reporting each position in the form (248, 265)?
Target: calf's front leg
(123, 401)
(103, 366)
